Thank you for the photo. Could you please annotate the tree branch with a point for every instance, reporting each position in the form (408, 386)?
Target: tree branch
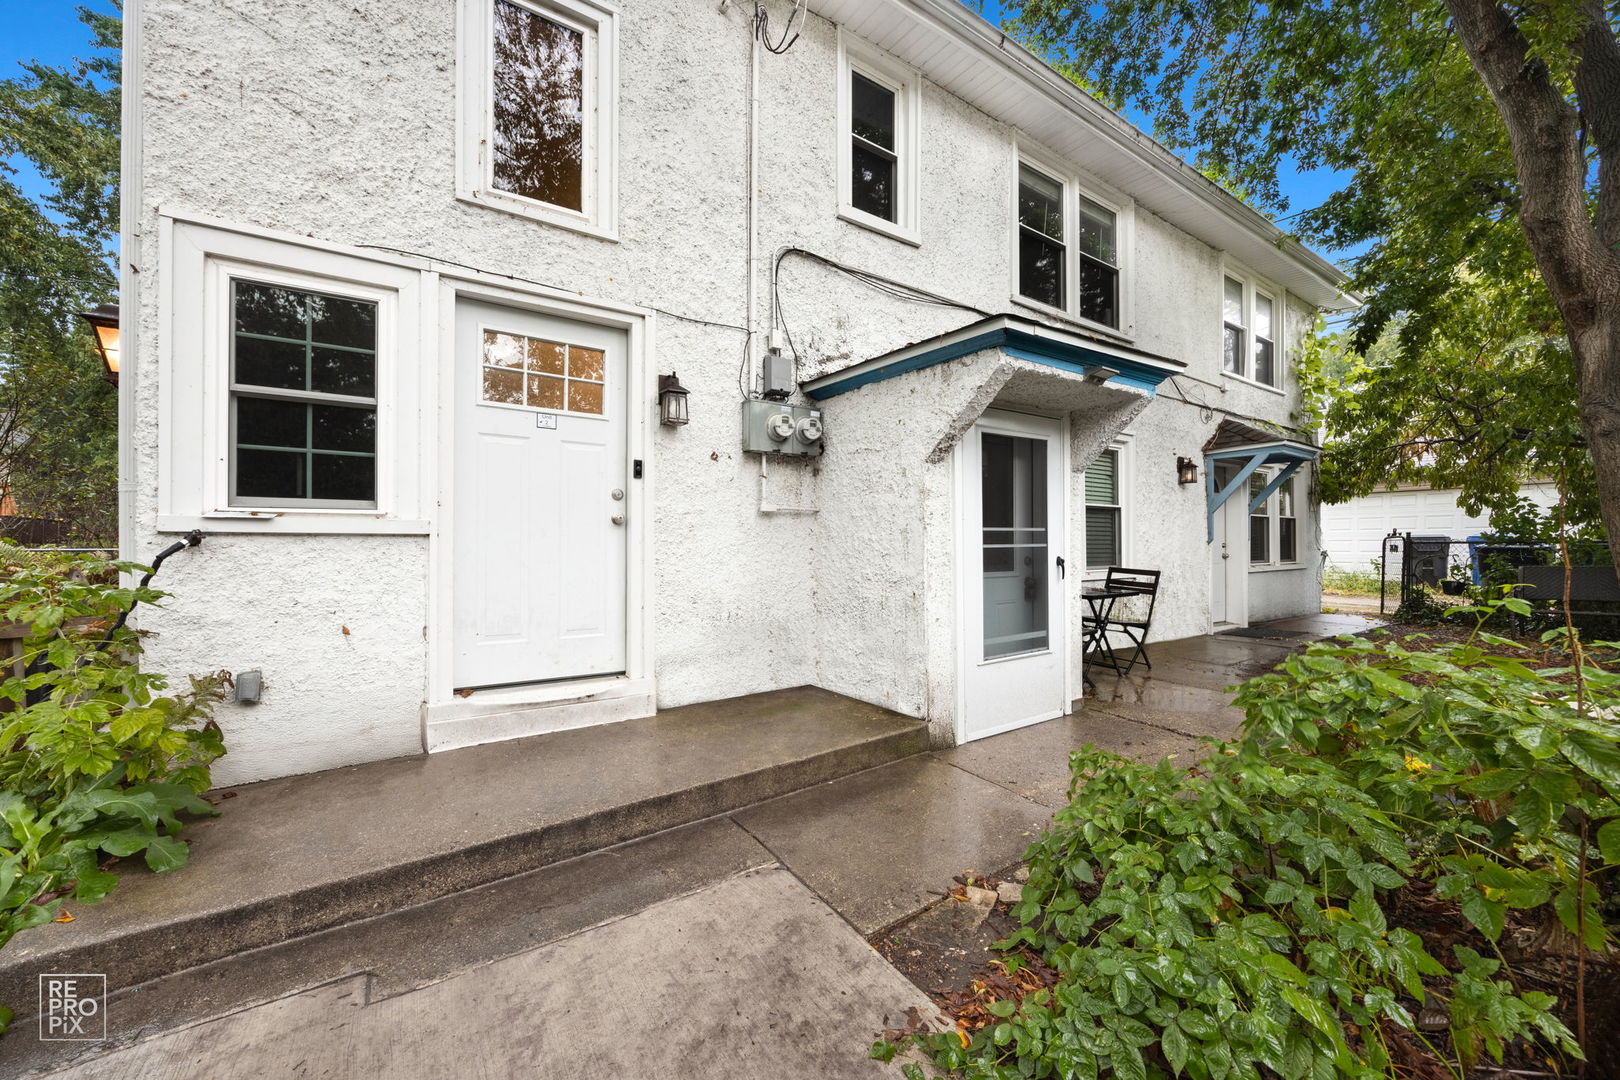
(1597, 88)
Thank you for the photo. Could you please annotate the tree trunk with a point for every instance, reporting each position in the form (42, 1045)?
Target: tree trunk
(1597, 366)
(1575, 252)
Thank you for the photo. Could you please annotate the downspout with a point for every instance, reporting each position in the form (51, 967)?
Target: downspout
(129, 209)
(750, 200)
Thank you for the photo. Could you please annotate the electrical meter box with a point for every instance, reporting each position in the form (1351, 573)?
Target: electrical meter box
(773, 427)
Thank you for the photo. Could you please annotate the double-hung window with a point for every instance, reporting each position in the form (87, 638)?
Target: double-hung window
(1069, 247)
(538, 102)
(303, 397)
(1104, 512)
(878, 102)
(1251, 315)
(1274, 525)
(1042, 254)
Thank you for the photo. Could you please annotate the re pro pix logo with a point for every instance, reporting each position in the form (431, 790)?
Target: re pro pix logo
(72, 1008)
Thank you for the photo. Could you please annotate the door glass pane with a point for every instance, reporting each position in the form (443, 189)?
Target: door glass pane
(539, 106)
(1016, 562)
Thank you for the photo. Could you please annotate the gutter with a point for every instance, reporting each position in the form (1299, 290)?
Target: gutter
(130, 194)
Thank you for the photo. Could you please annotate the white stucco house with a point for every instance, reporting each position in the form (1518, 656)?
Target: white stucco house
(402, 283)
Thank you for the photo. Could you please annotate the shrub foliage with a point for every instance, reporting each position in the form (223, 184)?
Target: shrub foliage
(1234, 919)
(98, 762)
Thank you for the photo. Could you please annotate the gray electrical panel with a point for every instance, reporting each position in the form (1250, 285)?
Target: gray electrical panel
(778, 376)
(772, 427)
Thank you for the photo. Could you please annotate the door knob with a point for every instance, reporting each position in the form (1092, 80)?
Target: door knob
(618, 493)
(618, 519)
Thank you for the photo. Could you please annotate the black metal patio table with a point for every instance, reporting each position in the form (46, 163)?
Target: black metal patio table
(1101, 602)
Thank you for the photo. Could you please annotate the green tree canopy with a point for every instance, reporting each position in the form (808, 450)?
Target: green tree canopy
(1482, 142)
(58, 416)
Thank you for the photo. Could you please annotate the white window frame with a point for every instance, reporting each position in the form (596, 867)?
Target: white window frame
(1253, 286)
(475, 37)
(855, 55)
(1123, 208)
(1122, 447)
(1273, 515)
(195, 450)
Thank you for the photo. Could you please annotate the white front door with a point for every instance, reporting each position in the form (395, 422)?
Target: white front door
(1229, 556)
(1015, 630)
(541, 498)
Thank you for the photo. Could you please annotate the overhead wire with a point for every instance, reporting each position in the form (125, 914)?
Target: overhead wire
(762, 27)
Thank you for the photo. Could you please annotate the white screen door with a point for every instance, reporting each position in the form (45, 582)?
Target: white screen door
(1015, 631)
(541, 498)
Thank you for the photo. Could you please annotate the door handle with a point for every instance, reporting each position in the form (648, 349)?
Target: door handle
(618, 519)
(1062, 571)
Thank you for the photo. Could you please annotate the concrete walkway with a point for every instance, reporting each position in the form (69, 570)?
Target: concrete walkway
(852, 856)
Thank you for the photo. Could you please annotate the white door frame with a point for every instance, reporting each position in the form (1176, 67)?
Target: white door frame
(489, 715)
(968, 554)
(1233, 524)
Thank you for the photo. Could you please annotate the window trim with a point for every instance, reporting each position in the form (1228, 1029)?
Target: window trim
(1077, 184)
(1121, 445)
(1274, 518)
(856, 55)
(1253, 285)
(475, 37)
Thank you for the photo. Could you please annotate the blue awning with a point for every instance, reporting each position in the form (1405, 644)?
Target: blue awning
(1022, 339)
(1253, 447)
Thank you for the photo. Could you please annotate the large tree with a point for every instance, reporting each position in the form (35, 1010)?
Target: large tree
(58, 416)
(1482, 139)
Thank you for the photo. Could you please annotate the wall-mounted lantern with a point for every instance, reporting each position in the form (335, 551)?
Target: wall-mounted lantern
(671, 401)
(104, 321)
(1186, 470)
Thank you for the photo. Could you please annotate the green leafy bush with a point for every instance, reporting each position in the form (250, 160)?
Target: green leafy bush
(98, 762)
(1244, 915)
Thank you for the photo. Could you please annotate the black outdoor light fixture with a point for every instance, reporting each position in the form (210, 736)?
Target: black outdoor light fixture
(104, 321)
(1186, 470)
(671, 401)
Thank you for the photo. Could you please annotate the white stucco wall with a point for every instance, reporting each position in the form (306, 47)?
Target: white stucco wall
(337, 122)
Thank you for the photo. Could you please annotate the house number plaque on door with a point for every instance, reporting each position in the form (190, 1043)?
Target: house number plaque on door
(546, 420)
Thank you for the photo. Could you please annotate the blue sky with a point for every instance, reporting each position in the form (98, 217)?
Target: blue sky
(49, 30)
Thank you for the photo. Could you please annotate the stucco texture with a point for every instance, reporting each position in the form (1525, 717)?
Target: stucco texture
(338, 122)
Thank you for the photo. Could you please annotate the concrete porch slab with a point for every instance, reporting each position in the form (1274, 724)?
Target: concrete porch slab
(302, 854)
(878, 846)
(751, 977)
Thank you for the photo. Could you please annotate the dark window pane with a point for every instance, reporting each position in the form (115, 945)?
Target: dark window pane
(1040, 203)
(270, 474)
(871, 185)
(1097, 232)
(1102, 537)
(343, 322)
(1040, 268)
(342, 477)
(270, 363)
(1099, 291)
(337, 428)
(539, 92)
(1288, 539)
(265, 309)
(333, 371)
(261, 422)
(871, 110)
(1259, 539)
(996, 496)
(1264, 362)
(1232, 360)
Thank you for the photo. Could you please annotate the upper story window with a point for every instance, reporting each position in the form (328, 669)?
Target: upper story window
(1251, 317)
(538, 110)
(1069, 248)
(878, 102)
(303, 398)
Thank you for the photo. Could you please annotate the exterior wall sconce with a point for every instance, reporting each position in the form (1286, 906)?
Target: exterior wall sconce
(1186, 470)
(104, 321)
(671, 401)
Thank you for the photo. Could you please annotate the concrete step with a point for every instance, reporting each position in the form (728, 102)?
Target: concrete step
(304, 854)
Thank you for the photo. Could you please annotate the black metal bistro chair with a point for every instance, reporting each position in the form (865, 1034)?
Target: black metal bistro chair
(1126, 617)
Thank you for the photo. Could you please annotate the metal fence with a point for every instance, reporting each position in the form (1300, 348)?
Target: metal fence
(1415, 561)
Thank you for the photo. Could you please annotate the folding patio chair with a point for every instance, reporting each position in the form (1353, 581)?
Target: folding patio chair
(1132, 623)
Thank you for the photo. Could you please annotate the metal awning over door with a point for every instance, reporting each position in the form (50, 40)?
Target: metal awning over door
(1249, 448)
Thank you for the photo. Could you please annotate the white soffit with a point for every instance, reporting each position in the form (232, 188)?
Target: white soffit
(958, 50)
